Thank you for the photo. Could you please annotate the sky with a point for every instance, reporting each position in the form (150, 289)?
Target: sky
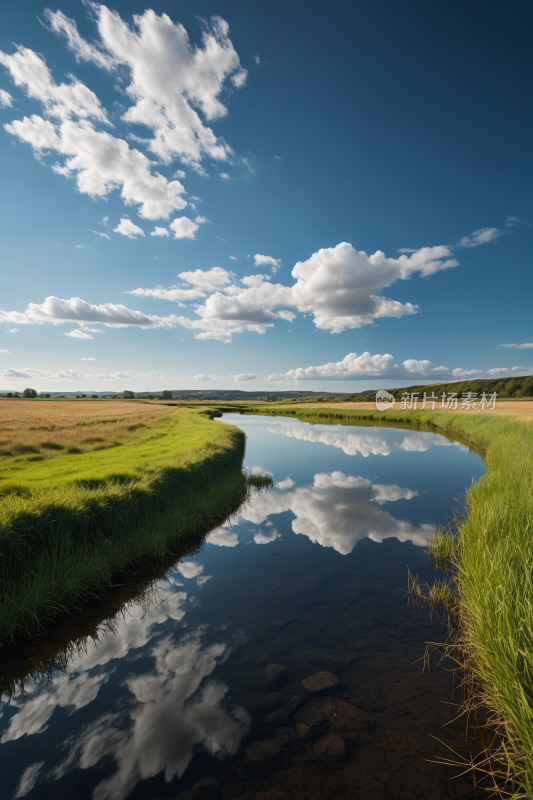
(217, 195)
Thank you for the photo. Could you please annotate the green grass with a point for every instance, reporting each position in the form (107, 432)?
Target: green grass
(68, 525)
(491, 553)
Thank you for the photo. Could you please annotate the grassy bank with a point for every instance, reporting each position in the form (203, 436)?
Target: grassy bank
(494, 568)
(69, 524)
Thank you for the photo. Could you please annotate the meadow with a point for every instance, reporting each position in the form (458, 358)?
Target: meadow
(491, 555)
(72, 520)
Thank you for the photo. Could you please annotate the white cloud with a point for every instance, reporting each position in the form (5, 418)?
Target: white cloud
(77, 375)
(169, 77)
(203, 377)
(265, 537)
(99, 233)
(29, 778)
(232, 258)
(57, 311)
(180, 174)
(246, 376)
(511, 221)
(267, 261)
(5, 351)
(6, 101)
(340, 286)
(176, 294)
(160, 232)
(185, 228)
(225, 176)
(257, 60)
(208, 279)
(482, 236)
(12, 330)
(87, 359)
(77, 334)
(354, 367)
(203, 579)
(523, 346)
(79, 247)
(127, 228)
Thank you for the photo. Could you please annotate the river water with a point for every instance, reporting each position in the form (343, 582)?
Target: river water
(201, 677)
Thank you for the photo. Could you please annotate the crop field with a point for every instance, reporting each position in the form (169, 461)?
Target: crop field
(32, 430)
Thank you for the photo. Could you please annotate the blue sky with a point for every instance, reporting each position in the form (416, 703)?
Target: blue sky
(252, 195)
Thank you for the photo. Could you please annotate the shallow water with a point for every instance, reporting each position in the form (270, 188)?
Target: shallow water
(304, 577)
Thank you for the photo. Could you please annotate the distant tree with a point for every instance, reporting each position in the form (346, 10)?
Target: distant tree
(94, 396)
(127, 395)
(166, 395)
(10, 394)
(84, 395)
(47, 395)
(150, 397)
(29, 393)
(78, 396)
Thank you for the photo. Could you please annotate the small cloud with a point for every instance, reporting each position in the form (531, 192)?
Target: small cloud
(190, 569)
(5, 351)
(185, 228)
(79, 247)
(127, 228)
(225, 176)
(278, 158)
(267, 261)
(6, 101)
(482, 236)
(160, 232)
(257, 60)
(262, 537)
(287, 483)
(180, 174)
(87, 359)
(203, 579)
(104, 221)
(233, 258)
(406, 250)
(246, 376)
(104, 235)
(76, 334)
(523, 346)
(13, 330)
(221, 239)
(512, 221)
(203, 377)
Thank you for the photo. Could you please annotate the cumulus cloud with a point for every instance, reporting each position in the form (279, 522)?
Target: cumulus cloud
(111, 315)
(159, 232)
(203, 377)
(103, 235)
(77, 334)
(190, 569)
(76, 375)
(128, 228)
(225, 176)
(223, 537)
(208, 279)
(267, 261)
(511, 221)
(6, 101)
(366, 365)
(482, 236)
(176, 294)
(185, 228)
(246, 376)
(169, 78)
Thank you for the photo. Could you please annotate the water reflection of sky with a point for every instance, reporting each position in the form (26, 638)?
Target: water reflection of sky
(139, 704)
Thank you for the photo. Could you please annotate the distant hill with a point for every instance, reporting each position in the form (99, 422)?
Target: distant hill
(505, 387)
(224, 395)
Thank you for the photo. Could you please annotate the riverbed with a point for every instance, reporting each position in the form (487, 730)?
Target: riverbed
(204, 678)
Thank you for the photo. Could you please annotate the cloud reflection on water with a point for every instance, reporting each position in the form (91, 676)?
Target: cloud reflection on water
(337, 511)
(362, 441)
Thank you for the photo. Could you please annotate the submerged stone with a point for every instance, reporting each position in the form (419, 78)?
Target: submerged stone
(274, 675)
(321, 682)
(331, 747)
(262, 752)
(204, 788)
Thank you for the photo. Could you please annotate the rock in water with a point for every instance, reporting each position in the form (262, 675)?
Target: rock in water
(205, 788)
(321, 682)
(274, 675)
(304, 731)
(331, 747)
(261, 752)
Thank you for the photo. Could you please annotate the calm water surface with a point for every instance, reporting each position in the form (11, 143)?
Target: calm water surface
(304, 577)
